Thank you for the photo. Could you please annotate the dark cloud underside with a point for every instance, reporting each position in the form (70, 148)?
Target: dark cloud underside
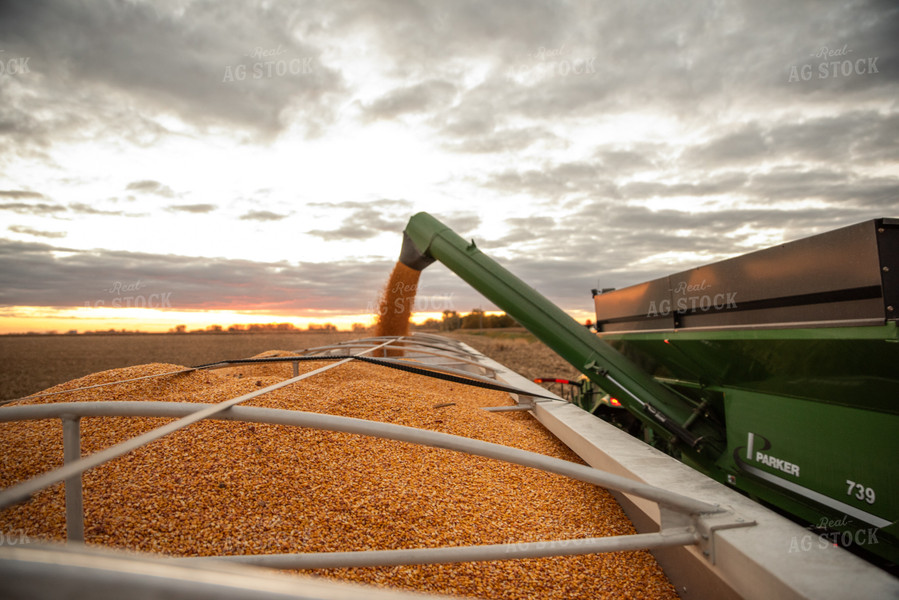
(622, 140)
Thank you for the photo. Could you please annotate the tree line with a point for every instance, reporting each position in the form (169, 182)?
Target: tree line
(266, 328)
(476, 319)
(450, 321)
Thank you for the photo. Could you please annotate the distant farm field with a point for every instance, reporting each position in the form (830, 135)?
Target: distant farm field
(32, 363)
(29, 364)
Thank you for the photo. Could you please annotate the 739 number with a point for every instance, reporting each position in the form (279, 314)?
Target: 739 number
(861, 492)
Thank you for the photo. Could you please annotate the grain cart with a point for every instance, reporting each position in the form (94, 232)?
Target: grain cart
(775, 372)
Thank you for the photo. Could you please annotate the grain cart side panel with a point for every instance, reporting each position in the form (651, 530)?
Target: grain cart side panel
(831, 459)
(795, 349)
(833, 279)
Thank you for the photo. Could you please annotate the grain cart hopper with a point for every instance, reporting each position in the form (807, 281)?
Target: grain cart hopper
(775, 373)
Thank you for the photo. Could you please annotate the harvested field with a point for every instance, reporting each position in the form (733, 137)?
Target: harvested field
(31, 363)
(237, 488)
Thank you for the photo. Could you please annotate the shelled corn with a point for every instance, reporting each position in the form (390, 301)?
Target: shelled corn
(218, 488)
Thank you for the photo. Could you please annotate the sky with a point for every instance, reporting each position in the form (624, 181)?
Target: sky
(221, 162)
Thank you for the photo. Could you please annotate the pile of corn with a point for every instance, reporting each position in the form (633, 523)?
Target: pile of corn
(218, 488)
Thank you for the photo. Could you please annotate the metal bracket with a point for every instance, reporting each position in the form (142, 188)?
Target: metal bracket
(704, 524)
(596, 368)
(674, 518)
(523, 402)
(707, 524)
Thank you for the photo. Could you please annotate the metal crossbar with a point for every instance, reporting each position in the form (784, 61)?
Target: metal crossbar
(447, 374)
(454, 554)
(670, 536)
(401, 433)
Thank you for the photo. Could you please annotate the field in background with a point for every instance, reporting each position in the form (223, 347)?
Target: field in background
(29, 364)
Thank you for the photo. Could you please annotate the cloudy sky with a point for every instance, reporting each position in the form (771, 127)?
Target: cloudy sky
(234, 161)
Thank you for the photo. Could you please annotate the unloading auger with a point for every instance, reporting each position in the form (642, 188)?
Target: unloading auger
(775, 372)
(426, 239)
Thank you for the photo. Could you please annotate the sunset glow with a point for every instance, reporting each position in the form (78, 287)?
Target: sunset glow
(235, 162)
(25, 319)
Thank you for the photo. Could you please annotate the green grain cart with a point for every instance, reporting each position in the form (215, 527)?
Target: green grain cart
(775, 372)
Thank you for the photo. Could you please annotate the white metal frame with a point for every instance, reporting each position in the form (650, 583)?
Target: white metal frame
(682, 512)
